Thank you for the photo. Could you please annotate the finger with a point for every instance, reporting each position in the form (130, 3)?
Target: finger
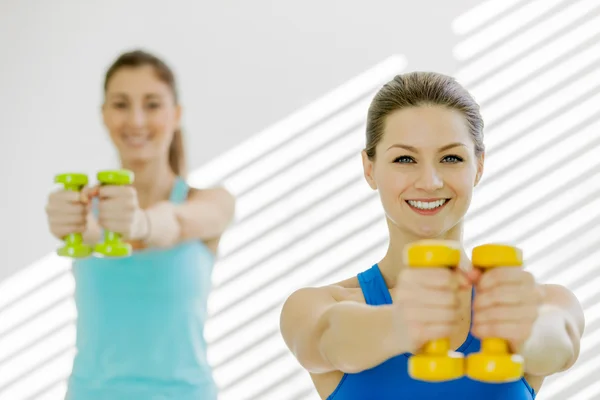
(64, 196)
(505, 275)
(425, 314)
(67, 219)
(64, 230)
(435, 331)
(505, 314)
(431, 297)
(89, 193)
(514, 332)
(466, 279)
(115, 191)
(112, 205)
(434, 278)
(474, 276)
(65, 209)
(502, 295)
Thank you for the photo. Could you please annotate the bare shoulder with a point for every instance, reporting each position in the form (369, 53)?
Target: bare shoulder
(306, 301)
(346, 290)
(217, 193)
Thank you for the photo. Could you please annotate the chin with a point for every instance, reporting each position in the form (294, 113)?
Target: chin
(429, 233)
(138, 158)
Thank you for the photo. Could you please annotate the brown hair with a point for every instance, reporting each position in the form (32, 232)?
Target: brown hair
(421, 88)
(139, 58)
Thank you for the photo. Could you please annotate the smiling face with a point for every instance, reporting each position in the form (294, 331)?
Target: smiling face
(140, 113)
(425, 169)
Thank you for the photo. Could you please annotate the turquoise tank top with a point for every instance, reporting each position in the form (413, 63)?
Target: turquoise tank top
(390, 380)
(140, 323)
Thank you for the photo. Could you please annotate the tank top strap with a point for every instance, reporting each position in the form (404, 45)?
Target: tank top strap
(180, 191)
(373, 287)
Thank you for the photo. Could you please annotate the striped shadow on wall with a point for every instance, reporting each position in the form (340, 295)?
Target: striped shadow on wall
(534, 66)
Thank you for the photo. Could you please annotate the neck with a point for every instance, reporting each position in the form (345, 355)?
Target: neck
(393, 262)
(153, 181)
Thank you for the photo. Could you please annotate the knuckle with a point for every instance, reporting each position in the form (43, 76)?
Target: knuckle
(443, 275)
(510, 333)
(130, 190)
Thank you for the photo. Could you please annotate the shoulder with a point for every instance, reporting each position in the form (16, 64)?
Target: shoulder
(219, 198)
(217, 193)
(346, 290)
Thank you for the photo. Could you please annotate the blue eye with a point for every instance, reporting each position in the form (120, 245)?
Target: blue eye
(452, 159)
(404, 160)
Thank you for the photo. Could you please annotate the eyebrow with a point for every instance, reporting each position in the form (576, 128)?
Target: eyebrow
(415, 150)
(147, 96)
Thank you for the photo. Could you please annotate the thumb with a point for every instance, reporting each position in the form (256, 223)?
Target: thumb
(468, 277)
(473, 275)
(88, 193)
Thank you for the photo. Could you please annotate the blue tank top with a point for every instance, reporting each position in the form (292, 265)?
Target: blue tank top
(141, 321)
(390, 380)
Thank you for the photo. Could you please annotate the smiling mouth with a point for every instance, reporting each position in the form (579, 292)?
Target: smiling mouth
(427, 207)
(137, 140)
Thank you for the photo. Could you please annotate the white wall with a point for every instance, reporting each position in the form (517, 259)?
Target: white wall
(251, 75)
(241, 67)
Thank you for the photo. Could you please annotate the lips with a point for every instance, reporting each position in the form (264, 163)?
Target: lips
(427, 206)
(135, 140)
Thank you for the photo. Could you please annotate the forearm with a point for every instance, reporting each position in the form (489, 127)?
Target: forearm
(553, 345)
(358, 337)
(165, 224)
(159, 226)
(207, 218)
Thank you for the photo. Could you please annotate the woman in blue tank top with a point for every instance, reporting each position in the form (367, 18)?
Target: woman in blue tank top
(424, 155)
(141, 318)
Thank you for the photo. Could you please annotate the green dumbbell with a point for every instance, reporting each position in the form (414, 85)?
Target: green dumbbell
(113, 246)
(74, 246)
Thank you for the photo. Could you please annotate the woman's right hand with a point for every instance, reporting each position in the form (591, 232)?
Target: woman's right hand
(67, 211)
(427, 304)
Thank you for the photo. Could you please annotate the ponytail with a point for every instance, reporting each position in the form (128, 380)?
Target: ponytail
(177, 154)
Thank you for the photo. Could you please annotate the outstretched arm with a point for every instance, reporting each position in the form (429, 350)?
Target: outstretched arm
(204, 216)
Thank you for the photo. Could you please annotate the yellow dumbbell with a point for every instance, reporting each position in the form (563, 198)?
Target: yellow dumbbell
(436, 362)
(494, 363)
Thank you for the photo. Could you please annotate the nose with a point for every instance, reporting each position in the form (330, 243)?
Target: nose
(429, 179)
(137, 117)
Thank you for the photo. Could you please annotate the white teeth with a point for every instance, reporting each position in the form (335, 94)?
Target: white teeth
(427, 205)
(136, 140)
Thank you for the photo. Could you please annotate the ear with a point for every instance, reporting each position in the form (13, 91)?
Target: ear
(368, 170)
(480, 164)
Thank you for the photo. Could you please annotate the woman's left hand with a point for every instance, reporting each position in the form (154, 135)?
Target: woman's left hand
(506, 305)
(119, 211)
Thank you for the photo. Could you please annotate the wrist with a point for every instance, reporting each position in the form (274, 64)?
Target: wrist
(162, 226)
(396, 338)
(142, 228)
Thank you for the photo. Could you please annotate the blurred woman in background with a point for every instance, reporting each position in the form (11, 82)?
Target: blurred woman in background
(141, 318)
